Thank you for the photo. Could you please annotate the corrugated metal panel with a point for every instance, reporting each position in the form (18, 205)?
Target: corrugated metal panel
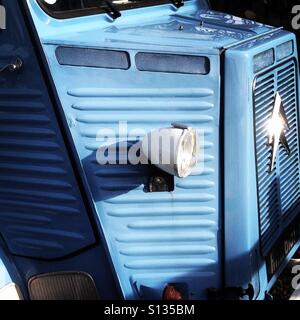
(42, 214)
(279, 191)
(154, 238)
(41, 210)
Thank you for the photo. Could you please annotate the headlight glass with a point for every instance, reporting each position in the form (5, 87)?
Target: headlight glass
(263, 60)
(285, 50)
(187, 153)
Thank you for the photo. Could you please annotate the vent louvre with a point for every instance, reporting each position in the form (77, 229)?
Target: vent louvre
(279, 192)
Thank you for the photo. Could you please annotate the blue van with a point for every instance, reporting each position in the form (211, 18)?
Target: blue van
(83, 80)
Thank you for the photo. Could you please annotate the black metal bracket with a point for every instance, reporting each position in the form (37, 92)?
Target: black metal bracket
(159, 181)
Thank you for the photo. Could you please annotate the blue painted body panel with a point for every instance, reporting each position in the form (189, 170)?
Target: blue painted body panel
(157, 23)
(153, 238)
(241, 202)
(42, 214)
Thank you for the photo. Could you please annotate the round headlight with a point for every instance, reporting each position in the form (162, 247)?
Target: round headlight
(174, 150)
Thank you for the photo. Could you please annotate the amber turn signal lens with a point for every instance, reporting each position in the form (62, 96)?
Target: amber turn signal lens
(171, 293)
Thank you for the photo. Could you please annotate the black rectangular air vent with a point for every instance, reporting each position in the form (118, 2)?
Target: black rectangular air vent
(172, 63)
(93, 58)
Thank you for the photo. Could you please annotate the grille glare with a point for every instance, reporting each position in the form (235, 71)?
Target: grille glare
(279, 191)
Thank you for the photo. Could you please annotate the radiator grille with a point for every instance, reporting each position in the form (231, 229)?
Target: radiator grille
(279, 191)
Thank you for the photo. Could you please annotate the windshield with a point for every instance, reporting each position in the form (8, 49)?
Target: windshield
(73, 8)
